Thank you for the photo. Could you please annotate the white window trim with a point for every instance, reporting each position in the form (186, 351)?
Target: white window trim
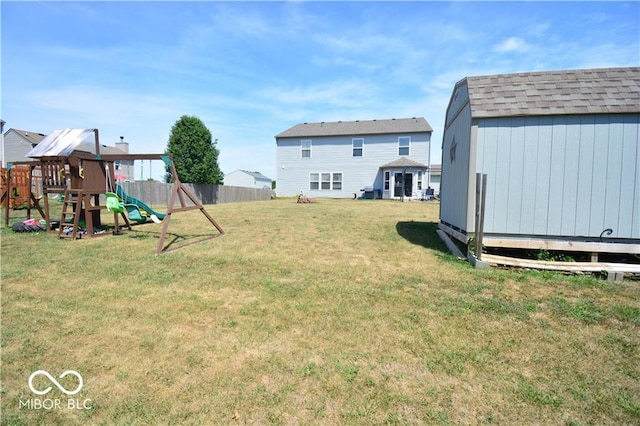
(408, 147)
(353, 148)
(322, 181)
(302, 149)
(331, 181)
(317, 181)
(341, 181)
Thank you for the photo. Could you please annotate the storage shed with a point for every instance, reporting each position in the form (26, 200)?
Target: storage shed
(560, 151)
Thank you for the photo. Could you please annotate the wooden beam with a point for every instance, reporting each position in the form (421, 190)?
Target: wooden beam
(115, 157)
(563, 266)
(476, 232)
(560, 245)
(450, 244)
(463, 238)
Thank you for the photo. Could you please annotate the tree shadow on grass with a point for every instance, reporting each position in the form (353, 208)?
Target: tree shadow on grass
(423, 234)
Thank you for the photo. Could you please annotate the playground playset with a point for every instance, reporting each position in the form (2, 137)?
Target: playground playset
(71, 168)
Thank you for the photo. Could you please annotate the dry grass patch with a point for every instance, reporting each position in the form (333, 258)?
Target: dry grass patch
(340, 312)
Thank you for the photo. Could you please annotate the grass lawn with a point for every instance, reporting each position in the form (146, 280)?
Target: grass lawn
(340, 312)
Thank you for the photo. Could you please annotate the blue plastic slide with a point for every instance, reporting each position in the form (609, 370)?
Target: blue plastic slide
(139, 204)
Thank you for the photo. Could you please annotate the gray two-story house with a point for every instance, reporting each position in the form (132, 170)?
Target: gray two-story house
(17, 143)
(376, 158)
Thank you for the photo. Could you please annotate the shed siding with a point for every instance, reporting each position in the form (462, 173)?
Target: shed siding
(586, 173)
(543, 173)
(335, 155)
(530, 177)
(561, 175)
(454, 185)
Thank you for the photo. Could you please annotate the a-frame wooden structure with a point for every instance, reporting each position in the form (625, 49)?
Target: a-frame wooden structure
(178, 193)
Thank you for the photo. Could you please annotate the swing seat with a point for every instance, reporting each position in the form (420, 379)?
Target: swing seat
(113, 203)
(133, 212)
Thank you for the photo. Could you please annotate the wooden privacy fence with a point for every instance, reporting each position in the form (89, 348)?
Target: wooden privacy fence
(157, 193)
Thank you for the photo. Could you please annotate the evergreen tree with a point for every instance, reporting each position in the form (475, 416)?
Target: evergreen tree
(195, 154)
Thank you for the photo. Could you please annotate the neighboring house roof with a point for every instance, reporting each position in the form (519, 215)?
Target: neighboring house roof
(32, 137)
(588, 91)
(105, 149)
(358, 127)
(404, 162)
(256, 175)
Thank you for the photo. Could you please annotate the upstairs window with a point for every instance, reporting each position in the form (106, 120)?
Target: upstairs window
(403, 145)
(358, 145)
(305, 146)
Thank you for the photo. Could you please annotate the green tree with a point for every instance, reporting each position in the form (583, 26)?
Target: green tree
(194, 153)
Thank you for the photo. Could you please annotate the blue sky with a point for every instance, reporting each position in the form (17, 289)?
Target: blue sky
(250, 70)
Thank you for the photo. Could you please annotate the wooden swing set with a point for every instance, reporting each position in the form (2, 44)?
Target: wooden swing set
(80, 178)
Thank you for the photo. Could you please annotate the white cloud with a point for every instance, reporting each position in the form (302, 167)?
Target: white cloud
(511, 44)
(350, 93)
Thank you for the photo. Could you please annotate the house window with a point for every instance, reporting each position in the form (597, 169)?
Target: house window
(403, 145)
(314, 181)
(305, 146)
(419, 181)
(386, 180)
(337, 182)
(326, 181)
(357, 147)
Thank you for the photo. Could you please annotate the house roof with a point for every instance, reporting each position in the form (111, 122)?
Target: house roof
(358, 127)
(111, 150)
(256, 175)
(587, 91)
(404, 162)
(33, 137)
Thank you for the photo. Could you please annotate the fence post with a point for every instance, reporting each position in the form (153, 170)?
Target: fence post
(481, 196)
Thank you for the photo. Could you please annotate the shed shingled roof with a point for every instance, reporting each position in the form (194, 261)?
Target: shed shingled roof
(358, 127)
(587, 91)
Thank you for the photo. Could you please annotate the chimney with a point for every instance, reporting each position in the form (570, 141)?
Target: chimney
(122, 145)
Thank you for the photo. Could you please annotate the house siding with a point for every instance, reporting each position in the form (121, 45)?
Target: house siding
(565, 176)
(334, 154)
(15, 147)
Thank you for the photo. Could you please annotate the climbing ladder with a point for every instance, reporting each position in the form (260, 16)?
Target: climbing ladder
(77, 201)
(72, 207)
